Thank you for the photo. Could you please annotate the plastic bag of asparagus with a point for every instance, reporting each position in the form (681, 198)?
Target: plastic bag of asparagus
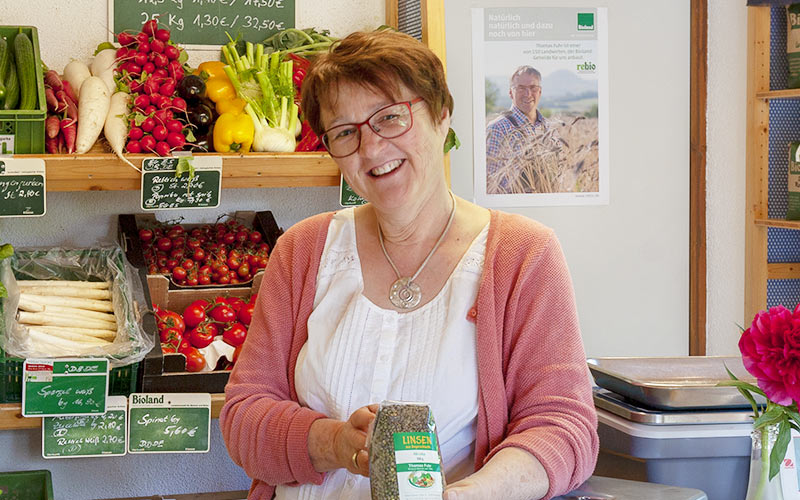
(73, 302)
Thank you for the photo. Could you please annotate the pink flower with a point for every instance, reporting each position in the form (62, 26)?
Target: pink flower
(771, 353)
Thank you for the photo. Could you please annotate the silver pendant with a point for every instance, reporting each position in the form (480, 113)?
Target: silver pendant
(405, 294)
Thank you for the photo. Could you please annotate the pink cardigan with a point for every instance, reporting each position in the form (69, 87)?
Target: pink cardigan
(535, 389)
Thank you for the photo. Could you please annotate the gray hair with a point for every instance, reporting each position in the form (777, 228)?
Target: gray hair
(525, 70)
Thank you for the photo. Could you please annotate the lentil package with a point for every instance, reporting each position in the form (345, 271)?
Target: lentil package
(405, 462)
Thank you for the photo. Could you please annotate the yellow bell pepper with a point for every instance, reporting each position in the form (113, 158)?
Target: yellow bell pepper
(220, 88)
(233, 133)
(212, 69)
(234, 105)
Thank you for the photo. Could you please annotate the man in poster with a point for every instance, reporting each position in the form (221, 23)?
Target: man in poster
(519, 137)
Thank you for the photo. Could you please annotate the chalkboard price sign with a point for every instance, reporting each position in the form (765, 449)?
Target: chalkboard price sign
(169, 423)
(348, 197)
(197, 186)
(203, 23)
(59, 387)
(22, 187)
(87, 436)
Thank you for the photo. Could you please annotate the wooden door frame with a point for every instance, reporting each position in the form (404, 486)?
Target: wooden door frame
(698, 77)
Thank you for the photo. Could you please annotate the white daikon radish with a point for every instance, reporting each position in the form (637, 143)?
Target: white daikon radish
(89, 332)
(104, 63)
(116, 127)
(63, 291)
(76, 72)
(90, 304)
(102, 285)
(95, 101)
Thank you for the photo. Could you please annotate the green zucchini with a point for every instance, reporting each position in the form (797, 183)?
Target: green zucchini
(26, 71)
(12, 85)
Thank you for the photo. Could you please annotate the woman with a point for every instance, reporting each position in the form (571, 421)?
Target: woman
(417, 295)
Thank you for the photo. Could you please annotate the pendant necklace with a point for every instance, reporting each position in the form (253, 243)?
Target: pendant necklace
(404, 293)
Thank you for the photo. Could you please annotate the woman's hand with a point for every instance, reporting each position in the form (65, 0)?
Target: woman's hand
(333, 444)
(511, 474)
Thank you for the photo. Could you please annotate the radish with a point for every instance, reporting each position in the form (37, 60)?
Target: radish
(68, 133)
(52, 79)
(68, 90)
(150, 27)
(92, 113)
(103, 66)
(148, 143)
(135, 133)
(134, 147)
(125, 39)
(52, 126)
(157, 45)
(75, 73)
(162, 148)
(116, 128)
(163, 35)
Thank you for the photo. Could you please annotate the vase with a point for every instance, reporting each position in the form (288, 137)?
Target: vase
(760, 487)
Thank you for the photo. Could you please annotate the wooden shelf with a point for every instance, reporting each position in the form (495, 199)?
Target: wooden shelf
(778, 94)
(781, 223)
(106, 172)
(11, 415)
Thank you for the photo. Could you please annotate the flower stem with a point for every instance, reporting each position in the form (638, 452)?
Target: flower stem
(764, 479)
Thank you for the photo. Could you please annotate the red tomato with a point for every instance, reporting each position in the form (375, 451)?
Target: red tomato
(164, 244)
(185, 346)
(236, 303)
(200, 337)
(145, 234)
(171, 336)
(222, 313)
(245, 314)
(168, 348)
(235, 334)
(178, 273)
(171, 319)
(193, 315)
(195, 361)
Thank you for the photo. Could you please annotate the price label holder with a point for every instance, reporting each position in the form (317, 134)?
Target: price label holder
(181, 182)
(87, 436)
(169, 423)
(348, 197)
(22, 187)
(64, 386)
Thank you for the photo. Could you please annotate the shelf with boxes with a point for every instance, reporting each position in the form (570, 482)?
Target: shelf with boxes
(772, 243)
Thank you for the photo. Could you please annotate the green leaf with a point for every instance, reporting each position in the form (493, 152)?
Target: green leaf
(773, 415)
(3, 291)
(451, 141)
(184, 166)
(190, 136)
(183, 57)
(779, 449)
(138, 118)
(6, 251)
(103, 46)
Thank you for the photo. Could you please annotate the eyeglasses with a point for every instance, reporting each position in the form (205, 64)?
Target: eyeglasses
(531, 89)
(388, 122)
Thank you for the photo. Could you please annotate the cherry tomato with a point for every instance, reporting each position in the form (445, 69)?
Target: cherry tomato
(168, 348)
(200, 337)
(235, 334)
(195, 361)
(164, 244)
(193, 315)
(171, 336)
(184, 346)
(178, 273)
(245, 314)
(145, 235)
(236, 303)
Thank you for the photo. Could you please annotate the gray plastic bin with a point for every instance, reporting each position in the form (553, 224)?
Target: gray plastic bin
(714, 458)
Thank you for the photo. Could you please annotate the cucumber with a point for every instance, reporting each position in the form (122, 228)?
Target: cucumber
(12, 85)
(5, 62)
(26, 71)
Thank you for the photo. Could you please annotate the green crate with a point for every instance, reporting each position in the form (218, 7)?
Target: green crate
(26, 485)
(25, 129)
(121, 380)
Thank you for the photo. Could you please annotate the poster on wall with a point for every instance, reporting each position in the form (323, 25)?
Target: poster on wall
(540, 91)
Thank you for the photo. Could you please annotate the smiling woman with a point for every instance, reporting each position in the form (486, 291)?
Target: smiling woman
(399, 299)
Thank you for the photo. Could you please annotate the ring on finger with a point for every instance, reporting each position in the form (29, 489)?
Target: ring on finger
(355, 460)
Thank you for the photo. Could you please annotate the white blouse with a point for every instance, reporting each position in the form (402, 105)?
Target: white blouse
(358, 353)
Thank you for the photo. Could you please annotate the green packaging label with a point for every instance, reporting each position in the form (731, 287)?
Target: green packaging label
(419, 471)
(793, 209)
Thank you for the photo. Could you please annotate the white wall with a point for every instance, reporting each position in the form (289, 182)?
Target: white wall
(629, 259)
(72, 29)
(725, 173)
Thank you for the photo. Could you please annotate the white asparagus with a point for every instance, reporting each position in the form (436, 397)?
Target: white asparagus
(90, 304)
(89, 332)
(102, 285)
(39, 336)
(29, 318)
(83, 313)
(77, 337)
(65, 291)
(27, 305)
